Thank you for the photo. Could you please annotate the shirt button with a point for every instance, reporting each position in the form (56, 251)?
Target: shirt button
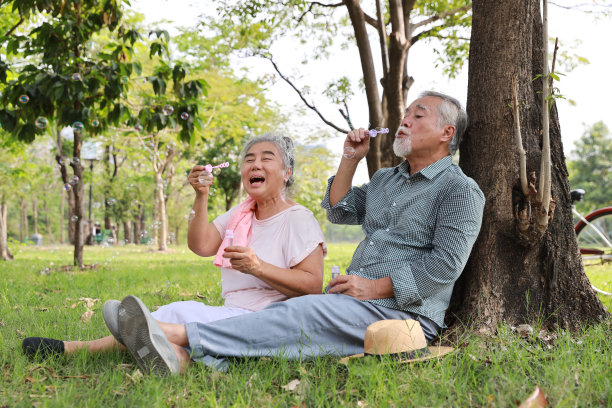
(394, 204)
(371, 242)
(387, 230)
(360, 269)
(344, 203)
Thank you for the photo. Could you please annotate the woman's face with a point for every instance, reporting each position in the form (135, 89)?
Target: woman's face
(263, 176)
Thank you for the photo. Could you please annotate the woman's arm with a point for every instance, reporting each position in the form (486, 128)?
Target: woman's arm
(303, 279)
(202, 236)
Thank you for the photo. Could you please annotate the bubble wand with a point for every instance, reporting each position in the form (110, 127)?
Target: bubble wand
(376, 131)
(209, 168)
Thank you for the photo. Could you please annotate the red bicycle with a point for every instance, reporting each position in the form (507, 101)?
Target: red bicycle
(594, 235)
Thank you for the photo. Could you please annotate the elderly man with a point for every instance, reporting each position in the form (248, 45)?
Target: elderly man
(420, 219)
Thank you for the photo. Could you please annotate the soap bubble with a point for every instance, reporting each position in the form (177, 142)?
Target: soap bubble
(349, 152)
(202, 178)
(171, 146)
(24, 99)
(110, 201)
(74, 180)
(190, 215)
(74, 218)
(184, 116)
(212, 191)
(67, 187)
(41, 122)
(76, 76)
(138, 128)
(216, 171)
(76, 160)
(77, 127)
(168, 110)
(95, 123)
(124, 79)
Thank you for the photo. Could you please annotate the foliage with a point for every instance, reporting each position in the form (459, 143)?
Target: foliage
(487, 370)
(591, 168)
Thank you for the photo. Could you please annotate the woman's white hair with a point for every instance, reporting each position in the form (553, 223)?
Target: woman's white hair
(284, 145)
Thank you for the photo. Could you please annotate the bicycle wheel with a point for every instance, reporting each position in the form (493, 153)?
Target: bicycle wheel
(595, 243)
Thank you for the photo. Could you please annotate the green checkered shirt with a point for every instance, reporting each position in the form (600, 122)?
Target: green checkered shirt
(419, 230)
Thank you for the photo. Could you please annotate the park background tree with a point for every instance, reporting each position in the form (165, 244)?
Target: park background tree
(57, 79)
(590, 168)
(509, 279)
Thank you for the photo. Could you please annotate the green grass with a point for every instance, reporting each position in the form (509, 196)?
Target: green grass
(498, 370)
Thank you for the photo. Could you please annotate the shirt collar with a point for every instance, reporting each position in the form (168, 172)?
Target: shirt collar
(429, 172)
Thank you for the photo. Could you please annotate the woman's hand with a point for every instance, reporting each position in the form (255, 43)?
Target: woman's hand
(243, 259)
(200, 179)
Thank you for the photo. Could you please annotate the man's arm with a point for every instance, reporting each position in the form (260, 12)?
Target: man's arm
(359, 141)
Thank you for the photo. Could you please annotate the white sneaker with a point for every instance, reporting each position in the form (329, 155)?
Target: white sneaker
(110, 313)
(145, 339)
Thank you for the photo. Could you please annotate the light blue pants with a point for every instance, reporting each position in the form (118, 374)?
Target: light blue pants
(298, 328)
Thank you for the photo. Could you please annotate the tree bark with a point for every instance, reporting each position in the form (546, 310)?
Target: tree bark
(50, 237)
(507, 280)
(127, 232)
(23, 221)
(5, 254)
(62, 222)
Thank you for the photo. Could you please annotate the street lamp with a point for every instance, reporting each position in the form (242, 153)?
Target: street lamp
(91, 154)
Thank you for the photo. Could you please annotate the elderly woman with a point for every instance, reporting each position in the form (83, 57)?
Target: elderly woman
(269, 248)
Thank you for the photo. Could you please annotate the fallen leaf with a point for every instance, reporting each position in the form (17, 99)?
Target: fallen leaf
(30, 380)
(44, 309)
(535, 400)
(74, 305)
(524, 330)
(86, 317)
(126, 366)
(89, 302)
(250, 382)
(362, 403)
(19, 332)
(200, 296)
(292, 386)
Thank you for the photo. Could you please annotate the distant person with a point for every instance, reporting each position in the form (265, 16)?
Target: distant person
(420, 219)
(277, 250)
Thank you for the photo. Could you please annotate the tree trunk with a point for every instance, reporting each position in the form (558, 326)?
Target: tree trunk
(62, 218)
(506, 279)
(77, 189)
(137, 231)
(50, 237)
(161, 219)
(369, 78)
(35, 215)
(5, 254)
(127, 232)
(23, 221)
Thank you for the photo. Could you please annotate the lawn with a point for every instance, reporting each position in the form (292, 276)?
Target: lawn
(38, 297)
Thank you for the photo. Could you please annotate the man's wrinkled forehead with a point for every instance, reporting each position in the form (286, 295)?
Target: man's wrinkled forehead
(418, 105)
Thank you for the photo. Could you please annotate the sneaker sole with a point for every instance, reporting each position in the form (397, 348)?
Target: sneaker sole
(110, 313)
(144, 338)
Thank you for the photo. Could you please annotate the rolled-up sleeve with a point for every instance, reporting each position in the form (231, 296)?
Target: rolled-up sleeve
(350, 209)
(457, 225)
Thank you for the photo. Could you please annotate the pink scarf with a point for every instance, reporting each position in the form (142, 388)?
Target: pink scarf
(240, 223)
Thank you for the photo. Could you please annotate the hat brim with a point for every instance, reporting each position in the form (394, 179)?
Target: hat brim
(434, 352)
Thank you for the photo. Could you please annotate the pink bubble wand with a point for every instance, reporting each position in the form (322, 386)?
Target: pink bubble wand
(375, 132)
(209, 168)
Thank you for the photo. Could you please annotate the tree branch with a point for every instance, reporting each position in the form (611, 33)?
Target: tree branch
(382, 35)
(309, 105)
(544, 194)
(345, 114)
(437, 17)
(9, 32)
(518, 140)
(316, 3)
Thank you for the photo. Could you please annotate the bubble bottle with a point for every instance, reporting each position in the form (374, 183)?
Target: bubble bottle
(335, 271)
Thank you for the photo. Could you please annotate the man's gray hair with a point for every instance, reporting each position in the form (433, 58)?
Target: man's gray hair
(284, 145)
(450, 112)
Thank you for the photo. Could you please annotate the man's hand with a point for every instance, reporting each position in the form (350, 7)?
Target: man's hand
(359, 140)
(243, 259)
(355, 286)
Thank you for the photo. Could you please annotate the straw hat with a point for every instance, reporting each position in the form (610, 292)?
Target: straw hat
(403, 340)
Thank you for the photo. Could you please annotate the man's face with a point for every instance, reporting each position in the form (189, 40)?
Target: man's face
(419, 133)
